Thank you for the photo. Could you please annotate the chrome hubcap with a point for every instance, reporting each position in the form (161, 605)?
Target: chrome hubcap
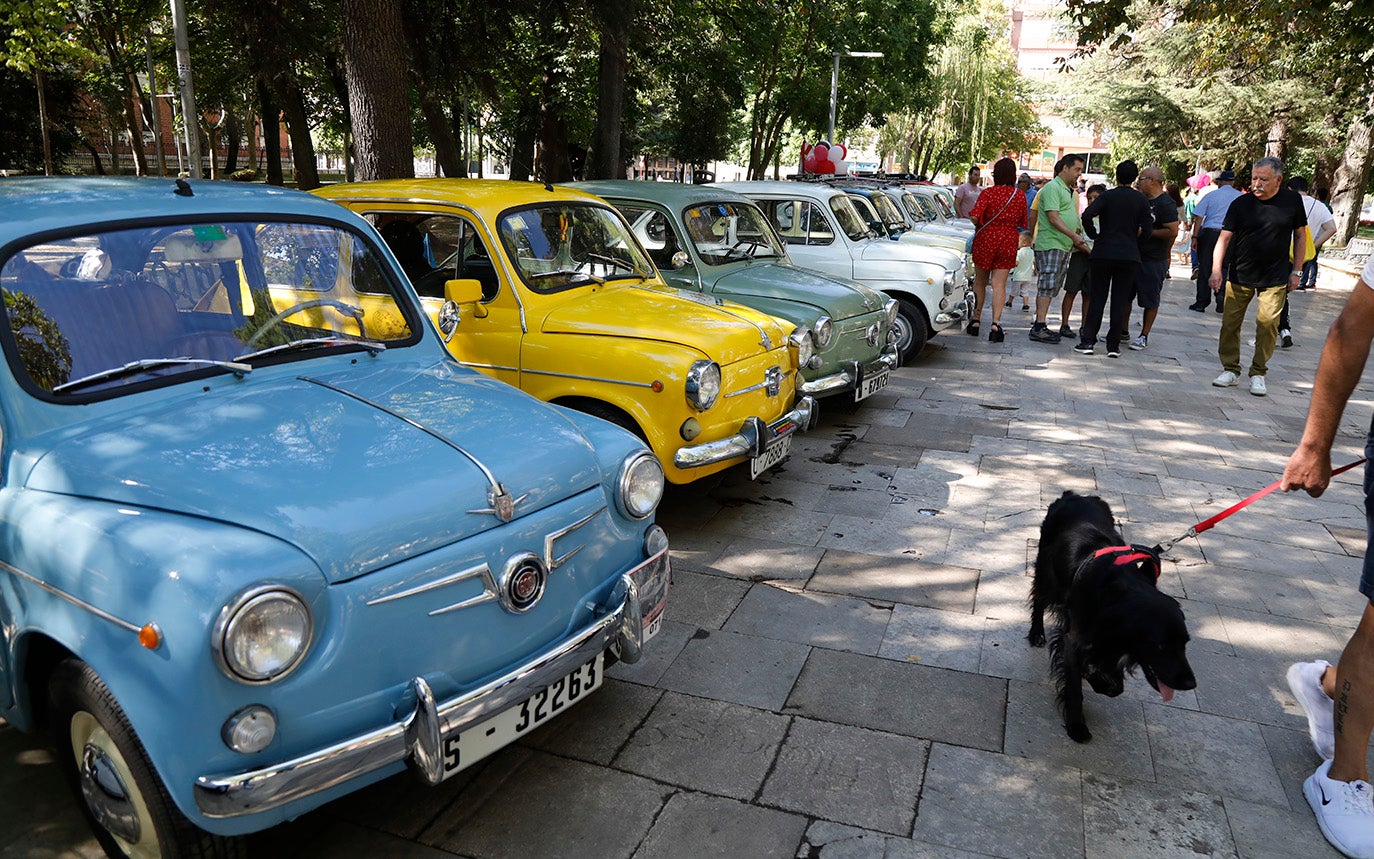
(901, 333)
(107, 797)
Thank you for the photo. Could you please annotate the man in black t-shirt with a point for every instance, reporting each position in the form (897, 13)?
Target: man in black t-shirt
(1261, 229)
(1154, 251)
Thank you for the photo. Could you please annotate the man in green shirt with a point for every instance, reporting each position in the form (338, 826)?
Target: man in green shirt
(1058, 233)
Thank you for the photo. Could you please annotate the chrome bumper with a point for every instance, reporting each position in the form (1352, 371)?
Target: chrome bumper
(639, 599)
(848, 380)
(953, 311)
(752, 439)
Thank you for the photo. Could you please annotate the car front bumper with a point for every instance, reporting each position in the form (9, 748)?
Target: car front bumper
(638, 602)
(850, 378)
(953, 310)
(753, 438)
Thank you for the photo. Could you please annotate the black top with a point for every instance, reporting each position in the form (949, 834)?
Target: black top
(1122, 213)
(1263, 236)
(1165, 212)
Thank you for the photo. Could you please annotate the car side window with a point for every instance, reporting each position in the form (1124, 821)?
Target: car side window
(655, 232)
(800, 222)
(434, 249)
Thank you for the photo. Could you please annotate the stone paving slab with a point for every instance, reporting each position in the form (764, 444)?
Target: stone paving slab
(697, 826)
(1127, 819)
(914, 700)
(745, 669)
(817, 619)
(902, 580)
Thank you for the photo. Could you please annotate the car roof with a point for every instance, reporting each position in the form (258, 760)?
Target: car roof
(32, 205)
(675, 195)
(488, 196)
(796, 189)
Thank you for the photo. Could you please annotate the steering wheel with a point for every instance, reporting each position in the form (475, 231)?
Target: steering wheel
(355, 312)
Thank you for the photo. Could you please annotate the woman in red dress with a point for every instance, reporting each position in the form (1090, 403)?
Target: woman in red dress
(1000, 216)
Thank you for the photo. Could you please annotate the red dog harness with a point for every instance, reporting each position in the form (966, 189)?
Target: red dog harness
(1129, 555)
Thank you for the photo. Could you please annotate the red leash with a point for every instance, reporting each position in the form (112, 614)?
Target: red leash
(1209, 523)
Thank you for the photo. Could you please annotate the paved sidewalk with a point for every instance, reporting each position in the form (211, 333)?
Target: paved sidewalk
(845, 674)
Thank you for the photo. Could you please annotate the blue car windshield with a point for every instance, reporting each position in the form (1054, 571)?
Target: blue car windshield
(99, 311)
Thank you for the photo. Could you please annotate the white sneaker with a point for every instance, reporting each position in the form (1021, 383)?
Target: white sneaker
(1226, 379)
(1257, 386)
(1140, 343)
(1344, 810)
(1305, 682)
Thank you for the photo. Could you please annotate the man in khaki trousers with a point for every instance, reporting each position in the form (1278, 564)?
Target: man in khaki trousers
(1265, 225)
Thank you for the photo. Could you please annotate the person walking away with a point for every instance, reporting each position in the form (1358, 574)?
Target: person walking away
(1155, 247)
(1263, 226)
(1022, 272)
(1208, 216)
(1057, 234)
(1180, 247)
(1115, 220)
(1320, 224)
(1078, 280)
(999, 216)
(1339, 699)
(966, 195)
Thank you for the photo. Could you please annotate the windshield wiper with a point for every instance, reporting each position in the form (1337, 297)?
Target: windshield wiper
(619, 263)
(372, 346)
(146, 364)
(566, 272)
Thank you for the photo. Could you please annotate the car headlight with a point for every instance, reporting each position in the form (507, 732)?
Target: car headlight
(803, 341)
(640, 484)
(703, 384)
(823, 331)
(262, 635)
(891, 310)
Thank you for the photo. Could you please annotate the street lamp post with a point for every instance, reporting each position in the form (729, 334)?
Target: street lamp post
(835, 82)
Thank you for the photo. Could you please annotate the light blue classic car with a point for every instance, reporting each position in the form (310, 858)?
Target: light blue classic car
(255, 554)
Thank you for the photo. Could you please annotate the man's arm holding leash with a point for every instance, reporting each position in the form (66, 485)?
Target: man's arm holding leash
(1342, 363)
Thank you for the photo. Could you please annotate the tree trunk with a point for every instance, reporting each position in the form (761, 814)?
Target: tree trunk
(522, 148)
(271, 134)
(554, 165)
(605, 161)
(40, 80)
(232, 137)
(95, 156)
(298, 127)
(1352, 174)
(446, 151)
(212, 138)
(1277, 144)
(134, 126)
(375, 66)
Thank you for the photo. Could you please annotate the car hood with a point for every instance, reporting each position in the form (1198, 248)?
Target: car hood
(884, 249)
(725, 332)
(935, 240)
(833, 296)
(359, 469)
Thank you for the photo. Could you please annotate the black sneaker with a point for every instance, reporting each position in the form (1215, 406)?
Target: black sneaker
(1066, 331)
(1084, 348)
(1041, 333)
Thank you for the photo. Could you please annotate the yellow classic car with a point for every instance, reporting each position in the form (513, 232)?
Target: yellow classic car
(547, 289)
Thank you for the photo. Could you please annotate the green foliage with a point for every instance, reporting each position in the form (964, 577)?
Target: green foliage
(43, 348)
(21, 147)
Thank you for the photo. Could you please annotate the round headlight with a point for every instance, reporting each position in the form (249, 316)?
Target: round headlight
(641, 485)
(262, 635)
(655, 541)
(250, 730)
(823, 330)
(803, 341)
(891, 310)
(703, 384)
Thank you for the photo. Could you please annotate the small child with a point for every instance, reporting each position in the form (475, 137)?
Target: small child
(1023, 275)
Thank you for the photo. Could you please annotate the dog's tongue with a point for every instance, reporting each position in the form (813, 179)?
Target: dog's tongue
(1165, 692)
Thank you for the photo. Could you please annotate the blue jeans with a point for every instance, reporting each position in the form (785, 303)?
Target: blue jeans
(1309, 273)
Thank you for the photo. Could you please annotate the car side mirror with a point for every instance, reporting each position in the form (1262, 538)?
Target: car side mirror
(680, 259)
(458, 292)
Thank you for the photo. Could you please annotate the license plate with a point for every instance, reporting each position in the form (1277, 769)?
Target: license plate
(471, 745)
(654, 626)
(770, 457)
(872, 385)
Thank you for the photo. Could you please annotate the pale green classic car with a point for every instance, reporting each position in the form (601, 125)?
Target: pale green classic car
(713, 241)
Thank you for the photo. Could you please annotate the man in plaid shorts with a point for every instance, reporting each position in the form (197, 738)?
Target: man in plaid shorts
(1058, 232)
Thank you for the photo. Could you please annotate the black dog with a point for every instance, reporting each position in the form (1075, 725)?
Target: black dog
(1110, 615)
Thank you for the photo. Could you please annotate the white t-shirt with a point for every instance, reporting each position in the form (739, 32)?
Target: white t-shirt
(1025, 265)
(965, 196)
(1316, 214)
(1368, 274)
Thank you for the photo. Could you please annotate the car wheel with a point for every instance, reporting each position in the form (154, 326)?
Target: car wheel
(909, 330)
(606, 412)
(123, 799)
